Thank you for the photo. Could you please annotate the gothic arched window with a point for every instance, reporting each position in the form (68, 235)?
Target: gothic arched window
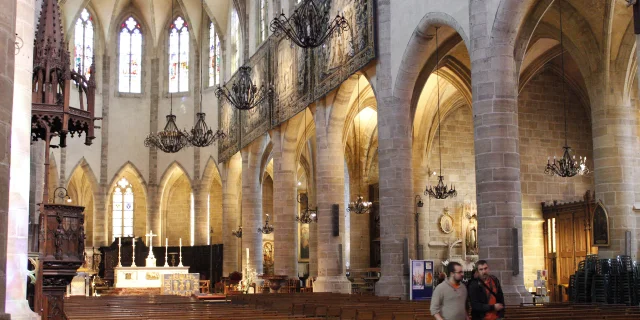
(179, 56)
(83, 44)
(215, 57)
(122, 219)
(130, 57)
(235, 40)
(262, 21)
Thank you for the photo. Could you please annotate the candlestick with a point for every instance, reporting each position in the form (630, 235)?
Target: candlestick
(180, 265)
(133, 264)
(119, 246)
(166, 252)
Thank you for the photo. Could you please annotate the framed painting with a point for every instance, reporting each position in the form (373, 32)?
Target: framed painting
(600, 226)
(303, 240)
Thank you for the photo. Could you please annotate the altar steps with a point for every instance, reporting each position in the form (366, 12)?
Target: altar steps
(162, 307)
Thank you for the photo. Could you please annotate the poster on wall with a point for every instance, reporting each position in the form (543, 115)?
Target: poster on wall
(421, 279)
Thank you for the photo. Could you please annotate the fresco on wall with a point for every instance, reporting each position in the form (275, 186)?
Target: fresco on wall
(299, 76)
(257, 121)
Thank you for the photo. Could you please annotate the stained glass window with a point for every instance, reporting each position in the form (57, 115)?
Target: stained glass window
(262, 21)
(179, 56)
(215, 58)
(235, 40)
(83, 44)
(130, 72)
(122, 209)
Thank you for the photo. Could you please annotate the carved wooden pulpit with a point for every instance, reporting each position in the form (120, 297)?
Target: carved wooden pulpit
(61, 243)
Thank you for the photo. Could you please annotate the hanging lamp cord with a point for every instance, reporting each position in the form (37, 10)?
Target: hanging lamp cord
(438, 86)
(564, 103)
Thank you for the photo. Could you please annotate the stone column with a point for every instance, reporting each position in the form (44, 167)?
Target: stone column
(252, 204)
(100, 220)
(36, 191)
(313, 227)
(154, 216)
(330, 185)
(18, 224)
(615, 149)
(495, 112)
(285, 198)
(395, 169)
(231, 174)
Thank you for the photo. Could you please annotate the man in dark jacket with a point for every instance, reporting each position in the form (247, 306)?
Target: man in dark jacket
(485, 295)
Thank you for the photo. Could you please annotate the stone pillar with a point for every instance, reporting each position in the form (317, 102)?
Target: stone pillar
(18, 224)
(313, 227)
(615, 149)
(231, 174)
(396, 174)
(329, 184)
(36, 190)
(252, 204)
(495, 112)
(285, 198)
(7, 60)
(100, 220)
(154, 216)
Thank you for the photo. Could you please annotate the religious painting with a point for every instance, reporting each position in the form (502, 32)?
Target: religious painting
(291, 80)
(345, 53)
(417, 279)
(228, 122)
(181, 284)
(600, 225)
(303, 252)
(267, 257)
(257, 121)
(446, 222)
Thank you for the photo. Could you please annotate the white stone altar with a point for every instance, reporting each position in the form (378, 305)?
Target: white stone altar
(144, 277)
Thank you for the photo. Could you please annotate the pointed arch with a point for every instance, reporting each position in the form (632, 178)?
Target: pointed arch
(130, 173)
(82, 188)
(210, 191)
(177, 213)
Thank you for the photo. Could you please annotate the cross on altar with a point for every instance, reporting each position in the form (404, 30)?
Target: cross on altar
(150, 257)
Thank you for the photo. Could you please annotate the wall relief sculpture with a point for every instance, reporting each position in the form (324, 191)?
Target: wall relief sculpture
(299, 76)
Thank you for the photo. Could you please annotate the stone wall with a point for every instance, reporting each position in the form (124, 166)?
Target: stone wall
(458, 167)
(541, 131)
(176, 212)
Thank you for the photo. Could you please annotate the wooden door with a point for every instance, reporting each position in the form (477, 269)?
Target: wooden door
(565, 248)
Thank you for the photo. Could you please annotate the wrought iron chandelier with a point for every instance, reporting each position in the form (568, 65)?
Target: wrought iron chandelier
(244, 94)
(170, 139)
(567, 166)
(441, 190)
(267, 228)
(237, 233)
(359, 206)
(307, 215)
(309, 26)
(201, 135)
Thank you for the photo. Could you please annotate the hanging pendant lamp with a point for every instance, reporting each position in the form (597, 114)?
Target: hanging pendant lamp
(359, 206)
(440, 191)
(309, 26)
(201, 135)
(567, 166)
(267, 228)
(170, 139)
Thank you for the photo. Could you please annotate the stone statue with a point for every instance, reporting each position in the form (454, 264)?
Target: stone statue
(472, 239)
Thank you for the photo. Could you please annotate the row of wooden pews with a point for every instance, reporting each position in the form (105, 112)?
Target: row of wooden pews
(343, 306)
(159, 307)
(336, 306)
